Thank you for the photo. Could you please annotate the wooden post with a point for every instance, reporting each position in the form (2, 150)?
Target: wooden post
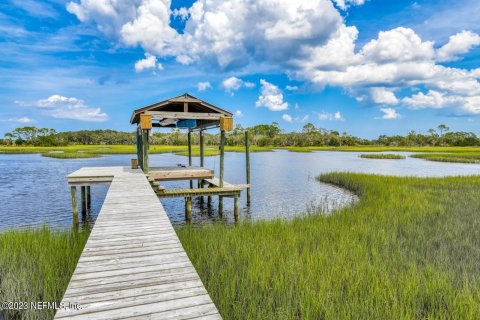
(145, 150)
(202, 151)
(84, 200)
(202, 155)
(89, 198)
(134, 163)
(220, 205)
(222, 155)
(222, 160)
(235, 207)
(188, 209)
(190, 154)
(139, 148)
(247, 164)
(73, 193)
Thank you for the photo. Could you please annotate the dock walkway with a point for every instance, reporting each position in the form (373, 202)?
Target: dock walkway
(133, 264)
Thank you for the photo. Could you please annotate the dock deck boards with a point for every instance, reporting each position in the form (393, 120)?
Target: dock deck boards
(133, 264)
(179, 173)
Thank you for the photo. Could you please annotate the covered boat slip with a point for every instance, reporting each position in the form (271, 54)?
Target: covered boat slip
(194, 115)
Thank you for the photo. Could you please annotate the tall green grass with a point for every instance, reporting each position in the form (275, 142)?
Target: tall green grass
(382, 156)
(36, 265)
(464, 157)
(70, 155)
(409, 249)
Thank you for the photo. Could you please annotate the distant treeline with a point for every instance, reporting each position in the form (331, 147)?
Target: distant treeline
(260, 135)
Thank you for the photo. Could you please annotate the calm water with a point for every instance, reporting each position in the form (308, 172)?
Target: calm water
(33, 189)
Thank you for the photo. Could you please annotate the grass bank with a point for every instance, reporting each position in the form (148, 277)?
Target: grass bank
(464, 157)
(408, 249)
(70, 155)
(121, 149)
(36, 265)
(389, 156)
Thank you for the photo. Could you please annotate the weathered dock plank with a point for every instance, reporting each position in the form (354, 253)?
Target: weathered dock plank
(133, 265)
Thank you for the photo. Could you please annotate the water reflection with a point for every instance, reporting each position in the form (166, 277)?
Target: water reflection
(33, 189)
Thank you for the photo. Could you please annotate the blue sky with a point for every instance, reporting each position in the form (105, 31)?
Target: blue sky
(366, 67)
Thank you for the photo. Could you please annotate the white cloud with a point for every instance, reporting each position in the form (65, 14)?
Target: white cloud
(150, 62)
(344, 4)
(24, 120)
(202, 86)
(458, 44)
(381, 95)
(271, 97)
(390, 113)
(287, 118)
(233, 84)
(239, 113)
(305, 118)
(336, 116)
(62, 107)
(286, 35)
(455, 104)
(217, 32)
(291, 88)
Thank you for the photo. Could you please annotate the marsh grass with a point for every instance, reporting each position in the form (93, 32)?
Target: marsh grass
(70, 155)
(388, 156)
(36, 265)
(408, 249)
(465, 157)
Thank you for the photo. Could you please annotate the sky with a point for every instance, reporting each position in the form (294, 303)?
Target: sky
(366, 67)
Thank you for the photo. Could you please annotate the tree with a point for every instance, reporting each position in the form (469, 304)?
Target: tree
(443, 128)
(309, 128)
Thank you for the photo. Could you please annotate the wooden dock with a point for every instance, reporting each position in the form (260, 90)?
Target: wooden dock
(133, 265)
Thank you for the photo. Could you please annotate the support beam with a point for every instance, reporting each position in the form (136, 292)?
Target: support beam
(139, 148)
(190, 154)
(73, 193)
(235, 208)
(222, 160)
(220, 205)
(222, 156)
(247, 165)
(202, 159)
(89, 198)
(202, 148)
(184, 115)
(145, 147)
(84, 200)
(188, 209)
(185, 107)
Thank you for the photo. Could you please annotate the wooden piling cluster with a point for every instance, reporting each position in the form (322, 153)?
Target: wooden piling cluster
(85, 202)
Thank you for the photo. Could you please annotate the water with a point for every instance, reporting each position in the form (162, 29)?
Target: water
(33, 189)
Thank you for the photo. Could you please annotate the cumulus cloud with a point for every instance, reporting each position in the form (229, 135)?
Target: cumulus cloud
(344, 4)
(202, 86)
(457, 45)
(271, 97)
(287, 118)
(327, 116)
(455, 104)
(149, 63)
(62, 107)
(286, 35)
(381, 95)
(233, 84)
(390, 113)
(239, 113)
